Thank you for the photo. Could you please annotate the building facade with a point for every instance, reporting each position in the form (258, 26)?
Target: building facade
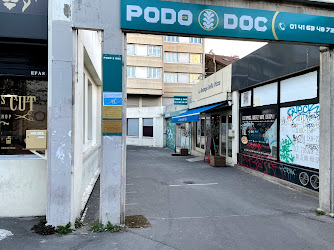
(159, 68)
(25, 108)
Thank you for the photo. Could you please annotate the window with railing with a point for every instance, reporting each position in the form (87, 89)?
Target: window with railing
(171, 57)
(171, 39)
(131, 49)
(171, 77)
(131, 71)
(154, 73)
(154, 51)
(195, 40)
(195, 78)
(195, 58)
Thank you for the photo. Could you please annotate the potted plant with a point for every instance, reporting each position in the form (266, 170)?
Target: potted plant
(215, 159)
(186, 132)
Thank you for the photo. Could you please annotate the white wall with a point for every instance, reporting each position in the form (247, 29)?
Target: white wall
(86, 166)
(23, 187)
(158, 124)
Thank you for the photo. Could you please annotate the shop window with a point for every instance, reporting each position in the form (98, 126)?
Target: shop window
(259, 132)
(246, 99)
(133, 127)
(195, 40)
(154, 51)
(265, 95)
(196, 58)
(301, 87)
(202, 130)
(198, 134)
(131, 49)
(23, 106)
(229, 151)
(148, 127)
(299, 135)
(171, 57)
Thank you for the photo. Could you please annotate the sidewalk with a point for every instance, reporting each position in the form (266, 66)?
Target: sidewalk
(191, 205)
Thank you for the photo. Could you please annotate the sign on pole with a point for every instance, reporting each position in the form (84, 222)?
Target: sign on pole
(218, 21)
(112, 95)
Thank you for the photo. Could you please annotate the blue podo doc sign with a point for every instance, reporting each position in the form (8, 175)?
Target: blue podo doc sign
(218, 21)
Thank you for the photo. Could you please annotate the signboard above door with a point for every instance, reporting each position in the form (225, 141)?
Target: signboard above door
(218, 21)
(180, 100)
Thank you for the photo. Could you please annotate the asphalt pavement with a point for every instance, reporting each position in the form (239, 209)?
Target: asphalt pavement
(191, 205)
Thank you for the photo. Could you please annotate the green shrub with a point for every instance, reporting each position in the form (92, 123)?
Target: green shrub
(97, 227)
(65, 229)
(113, 228)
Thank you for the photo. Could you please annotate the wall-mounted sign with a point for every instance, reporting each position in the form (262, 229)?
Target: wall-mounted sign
(180, 100)
(112, 95)
(24, 6)
(24, 19)
(210, 20)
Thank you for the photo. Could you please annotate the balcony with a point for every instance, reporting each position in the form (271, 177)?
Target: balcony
(144, 39)
(184, 68)
(145, 61)
(144, 86)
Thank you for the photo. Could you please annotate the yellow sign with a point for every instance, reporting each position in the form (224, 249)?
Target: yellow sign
(112, 126)
(112, 112)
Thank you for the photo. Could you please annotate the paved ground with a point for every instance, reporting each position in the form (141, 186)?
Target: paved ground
(225, 209)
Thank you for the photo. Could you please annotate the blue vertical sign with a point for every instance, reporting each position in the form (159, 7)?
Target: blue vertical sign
(218, 21)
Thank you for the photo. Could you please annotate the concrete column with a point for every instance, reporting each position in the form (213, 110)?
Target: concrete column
(235, 126)
(60, 42)
(326, 164)
(113, 170)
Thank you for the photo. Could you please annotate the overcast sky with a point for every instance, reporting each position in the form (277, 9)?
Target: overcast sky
(231, 47)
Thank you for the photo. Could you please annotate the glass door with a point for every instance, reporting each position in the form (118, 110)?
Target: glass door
(223, 133)
(225, 139)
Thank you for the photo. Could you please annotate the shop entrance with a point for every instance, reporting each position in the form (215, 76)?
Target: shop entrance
(225, 136)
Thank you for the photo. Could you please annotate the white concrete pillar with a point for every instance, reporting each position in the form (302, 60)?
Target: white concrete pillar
(113, 170)
(235, 126)
(60, 63)
(326, 161)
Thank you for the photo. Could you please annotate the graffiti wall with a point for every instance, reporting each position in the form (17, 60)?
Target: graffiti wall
(259, 132)
(171, 134)
(299, 135)
(303, 177)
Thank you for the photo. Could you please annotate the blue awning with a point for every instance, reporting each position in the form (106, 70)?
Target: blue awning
(193, 114)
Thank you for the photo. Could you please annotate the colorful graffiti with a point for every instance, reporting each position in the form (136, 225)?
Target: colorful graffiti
(285, 150)
(299, 133)
(303, 177)
(171, 134)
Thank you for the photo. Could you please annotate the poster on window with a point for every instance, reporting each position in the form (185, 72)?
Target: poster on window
(299, 135)
(259, 132)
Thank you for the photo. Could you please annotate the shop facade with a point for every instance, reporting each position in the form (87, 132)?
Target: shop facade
(23, 106)
(279, 117)
(30, 106)
(210, 116)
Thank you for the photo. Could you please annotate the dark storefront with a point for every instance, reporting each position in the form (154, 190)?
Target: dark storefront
(23, 73)
(279, 112)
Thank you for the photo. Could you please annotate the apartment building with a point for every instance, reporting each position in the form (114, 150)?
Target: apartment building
(159, 68)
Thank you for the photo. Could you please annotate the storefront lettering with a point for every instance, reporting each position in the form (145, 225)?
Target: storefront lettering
(210, 86)
(18, 102)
